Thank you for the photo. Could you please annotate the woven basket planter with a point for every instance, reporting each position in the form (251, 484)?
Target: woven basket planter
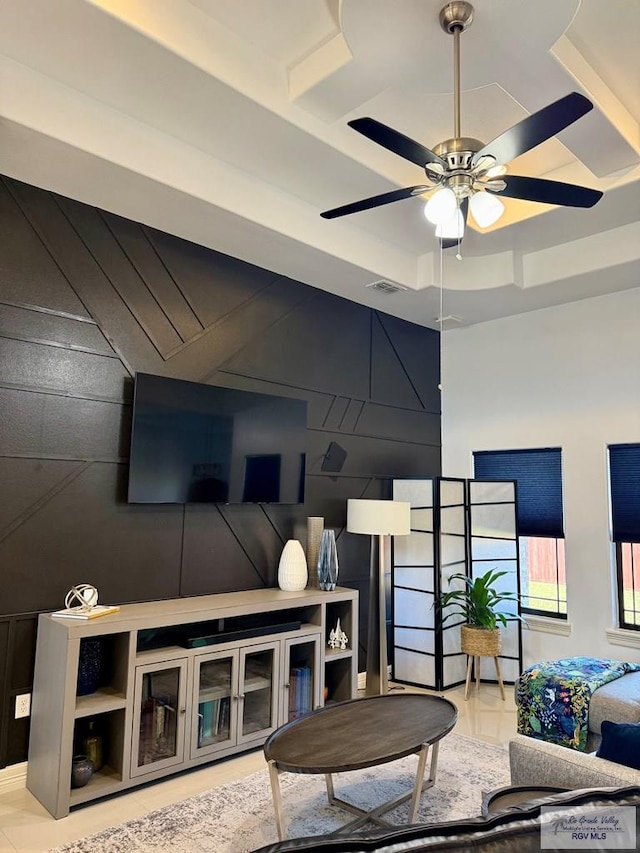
(480, 641)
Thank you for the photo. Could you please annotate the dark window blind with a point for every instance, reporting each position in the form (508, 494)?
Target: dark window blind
(539, 477)
(624, 473)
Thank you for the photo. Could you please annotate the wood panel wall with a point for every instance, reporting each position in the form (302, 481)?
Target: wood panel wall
(88, 298)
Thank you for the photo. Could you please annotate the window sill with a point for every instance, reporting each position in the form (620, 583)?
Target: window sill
(623, 637)
(547, 625)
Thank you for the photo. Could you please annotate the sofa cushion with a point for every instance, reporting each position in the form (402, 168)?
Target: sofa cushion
(515, 830)
(621, 743)
(618, 701)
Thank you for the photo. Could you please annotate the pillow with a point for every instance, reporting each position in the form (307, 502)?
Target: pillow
(620, 743)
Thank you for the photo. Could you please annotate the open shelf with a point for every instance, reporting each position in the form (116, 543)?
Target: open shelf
(103, 700)
(110, 727)
(106, 781)
(343, 611)
(338, 679)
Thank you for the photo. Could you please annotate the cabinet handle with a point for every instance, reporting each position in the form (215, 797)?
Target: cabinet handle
(240, 695)
(287, 685)
(184, 711)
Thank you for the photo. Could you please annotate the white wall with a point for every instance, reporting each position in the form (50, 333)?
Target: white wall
(567, 376)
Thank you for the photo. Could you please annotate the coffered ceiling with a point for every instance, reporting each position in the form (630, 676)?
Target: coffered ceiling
(225, 122)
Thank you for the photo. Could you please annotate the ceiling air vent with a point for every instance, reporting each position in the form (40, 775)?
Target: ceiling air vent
(448, 321)
(385, 286)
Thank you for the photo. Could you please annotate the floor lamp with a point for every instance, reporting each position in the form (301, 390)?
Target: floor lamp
(377, 519)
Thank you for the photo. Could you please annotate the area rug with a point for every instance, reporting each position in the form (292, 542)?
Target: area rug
(238, 817)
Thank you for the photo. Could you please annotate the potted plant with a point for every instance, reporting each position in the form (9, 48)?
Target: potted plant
(477, 601)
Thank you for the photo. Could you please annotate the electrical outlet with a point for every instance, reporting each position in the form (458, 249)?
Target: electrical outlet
(23, 705)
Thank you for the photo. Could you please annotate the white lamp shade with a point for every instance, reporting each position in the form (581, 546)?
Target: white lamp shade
(486, 208)
(441, 206)
(453, 228)
(379, 518)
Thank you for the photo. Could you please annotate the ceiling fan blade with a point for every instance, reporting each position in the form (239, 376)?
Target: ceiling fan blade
(374, 201)
(549, 192)
(397, 142)
(448, 243)
(537, 127)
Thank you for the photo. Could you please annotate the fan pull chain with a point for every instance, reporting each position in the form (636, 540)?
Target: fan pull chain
(441, 316)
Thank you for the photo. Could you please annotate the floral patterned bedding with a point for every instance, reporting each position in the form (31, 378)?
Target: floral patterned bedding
(553, 697)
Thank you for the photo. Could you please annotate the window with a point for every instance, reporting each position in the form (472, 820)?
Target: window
(538, 474)
(624, 483)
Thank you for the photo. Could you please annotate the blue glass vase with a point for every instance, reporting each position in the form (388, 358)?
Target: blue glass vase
(328, 561)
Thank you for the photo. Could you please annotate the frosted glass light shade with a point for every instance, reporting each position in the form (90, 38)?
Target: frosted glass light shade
(441, 206)
(453, 228)
(379, 518)
(486, 208)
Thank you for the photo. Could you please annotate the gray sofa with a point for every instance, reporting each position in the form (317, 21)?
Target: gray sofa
(536, 762)
(514, 830)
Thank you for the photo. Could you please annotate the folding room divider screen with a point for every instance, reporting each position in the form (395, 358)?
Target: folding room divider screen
(457, 526)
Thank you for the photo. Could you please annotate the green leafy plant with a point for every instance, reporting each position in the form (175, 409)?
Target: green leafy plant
(478, 600)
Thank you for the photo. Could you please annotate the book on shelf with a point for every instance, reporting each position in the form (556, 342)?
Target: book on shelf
(213, 720)
(94, 613)
(300, 691)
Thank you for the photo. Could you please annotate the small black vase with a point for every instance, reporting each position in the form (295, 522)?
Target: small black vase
(81, 771)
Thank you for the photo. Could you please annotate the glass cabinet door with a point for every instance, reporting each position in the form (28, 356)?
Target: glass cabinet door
(215, 702)
(301, 677)
(160, 707)
(258, 697)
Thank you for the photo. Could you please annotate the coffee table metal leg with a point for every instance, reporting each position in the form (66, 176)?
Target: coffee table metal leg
(365, 816)
(331, 796)
(274, 777)
(420, 784)
(375, 815)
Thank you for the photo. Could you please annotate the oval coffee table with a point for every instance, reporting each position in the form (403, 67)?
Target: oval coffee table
(361, 733)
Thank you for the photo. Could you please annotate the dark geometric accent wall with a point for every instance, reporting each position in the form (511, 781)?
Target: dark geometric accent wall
(86, 300)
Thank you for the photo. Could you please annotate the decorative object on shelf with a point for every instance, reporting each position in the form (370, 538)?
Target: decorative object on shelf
(89, 665)
(315, 526)
(81, 771)
(378, 519)
(81, 602)
(93, 745)
(83, 596)
(328, 561)
(337, 637)
(292, 569)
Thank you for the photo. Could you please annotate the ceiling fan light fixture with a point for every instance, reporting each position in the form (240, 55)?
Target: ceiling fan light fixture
(451, 228)
(441, 206)
(486, 208)
(495, 172)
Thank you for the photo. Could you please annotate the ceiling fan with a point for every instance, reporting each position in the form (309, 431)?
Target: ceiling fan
(468, 173)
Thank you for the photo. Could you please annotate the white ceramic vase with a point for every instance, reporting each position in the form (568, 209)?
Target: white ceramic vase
(292, 569)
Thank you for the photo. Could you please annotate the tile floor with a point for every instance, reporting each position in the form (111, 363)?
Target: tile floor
(26, 827)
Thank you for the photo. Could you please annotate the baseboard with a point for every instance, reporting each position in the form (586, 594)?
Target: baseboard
(13, 777)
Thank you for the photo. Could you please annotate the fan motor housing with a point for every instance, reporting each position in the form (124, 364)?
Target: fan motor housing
(458, 152)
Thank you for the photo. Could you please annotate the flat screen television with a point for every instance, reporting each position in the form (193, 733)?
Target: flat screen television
(198, 443)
